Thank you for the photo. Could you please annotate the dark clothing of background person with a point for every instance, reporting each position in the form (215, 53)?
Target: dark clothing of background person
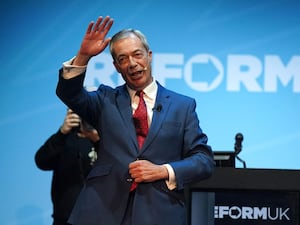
(67, 156)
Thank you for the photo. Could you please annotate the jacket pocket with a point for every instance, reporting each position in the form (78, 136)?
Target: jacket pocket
(173, 194)
(99, 171)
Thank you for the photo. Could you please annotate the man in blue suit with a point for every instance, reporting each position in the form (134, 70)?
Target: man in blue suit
(174, 154)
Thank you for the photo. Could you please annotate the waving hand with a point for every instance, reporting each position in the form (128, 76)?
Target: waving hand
(94, 41)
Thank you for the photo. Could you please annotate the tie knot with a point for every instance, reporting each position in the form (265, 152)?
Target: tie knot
(140, 94)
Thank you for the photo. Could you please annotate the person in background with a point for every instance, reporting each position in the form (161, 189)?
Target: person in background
(70, 153)
(152, 147)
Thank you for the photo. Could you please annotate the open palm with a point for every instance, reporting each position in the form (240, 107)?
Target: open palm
(95, 41)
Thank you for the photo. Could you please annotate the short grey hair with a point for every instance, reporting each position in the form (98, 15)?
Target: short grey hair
(124, 34)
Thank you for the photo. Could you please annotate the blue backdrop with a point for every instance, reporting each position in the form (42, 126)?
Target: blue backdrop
(240, 60)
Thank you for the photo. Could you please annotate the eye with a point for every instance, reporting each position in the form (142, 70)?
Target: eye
(139, 55)
(122, 59)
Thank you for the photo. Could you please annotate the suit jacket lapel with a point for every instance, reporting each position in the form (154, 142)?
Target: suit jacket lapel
(158, 116)
(124, 104)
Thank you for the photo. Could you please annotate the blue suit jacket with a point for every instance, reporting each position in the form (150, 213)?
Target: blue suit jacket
(174, 137)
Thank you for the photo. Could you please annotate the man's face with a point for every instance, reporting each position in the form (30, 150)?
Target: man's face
(133, 61)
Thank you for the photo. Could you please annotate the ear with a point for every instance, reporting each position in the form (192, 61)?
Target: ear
(149, 56)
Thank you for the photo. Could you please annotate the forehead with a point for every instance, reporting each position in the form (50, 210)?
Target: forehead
(127, 45)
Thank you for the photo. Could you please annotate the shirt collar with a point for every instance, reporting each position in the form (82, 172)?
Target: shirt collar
(150, 91)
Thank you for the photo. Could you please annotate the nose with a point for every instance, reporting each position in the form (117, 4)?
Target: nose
(132, 62)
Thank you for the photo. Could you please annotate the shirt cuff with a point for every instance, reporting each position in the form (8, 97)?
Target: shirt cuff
(171, 182)
(70, 70)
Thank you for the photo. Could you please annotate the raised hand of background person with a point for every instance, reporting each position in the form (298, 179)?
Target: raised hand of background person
(71, 121)
(94, 41)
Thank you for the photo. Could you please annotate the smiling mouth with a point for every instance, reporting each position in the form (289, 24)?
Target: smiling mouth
(137, 73)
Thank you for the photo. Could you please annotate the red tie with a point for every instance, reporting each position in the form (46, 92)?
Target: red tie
(140, 120)
(141, 124)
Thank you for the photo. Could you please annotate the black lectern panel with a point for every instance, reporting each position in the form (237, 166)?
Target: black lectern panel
(246, 197)
(224, 158)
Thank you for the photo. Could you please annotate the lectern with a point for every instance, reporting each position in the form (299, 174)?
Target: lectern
(246, 197)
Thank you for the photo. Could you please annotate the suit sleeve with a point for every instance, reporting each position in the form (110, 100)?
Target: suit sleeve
(197, 163)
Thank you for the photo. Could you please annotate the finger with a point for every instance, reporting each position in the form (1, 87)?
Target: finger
(80, 134)
(89, 29)
(71, 124)
(130, 166)
(99, 20)
(108, 23)
(71, 119)
(75, 116)
(74, 123)
(104, 43)
(69, 112)
(133, 164)
(105, 25)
